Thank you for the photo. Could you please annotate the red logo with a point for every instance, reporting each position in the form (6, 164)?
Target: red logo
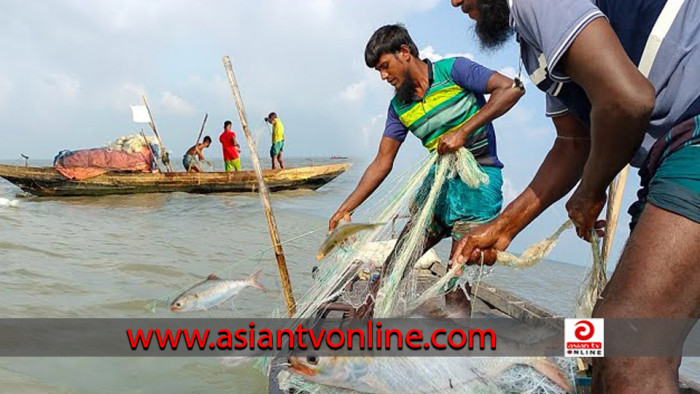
(584, 332)
(584, 337)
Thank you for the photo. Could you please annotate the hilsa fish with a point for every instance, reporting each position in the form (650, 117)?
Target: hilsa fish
(340, 234)
(213, 291)
(4, 202)
(418, 374)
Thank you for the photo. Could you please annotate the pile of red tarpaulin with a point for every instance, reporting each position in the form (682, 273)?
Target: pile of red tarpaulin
(88, 163)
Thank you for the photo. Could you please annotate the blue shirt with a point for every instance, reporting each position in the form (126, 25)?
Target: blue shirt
(546, 29)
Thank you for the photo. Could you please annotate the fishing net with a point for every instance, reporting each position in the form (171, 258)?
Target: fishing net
(594, 283)
(410, 211)
(131, 143)
(428, 375)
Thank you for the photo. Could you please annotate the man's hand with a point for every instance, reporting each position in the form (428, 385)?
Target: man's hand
(337, 217)
(451, 143)
(584, 207)
(488, 239)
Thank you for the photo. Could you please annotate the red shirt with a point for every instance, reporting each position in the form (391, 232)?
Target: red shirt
(230, 151)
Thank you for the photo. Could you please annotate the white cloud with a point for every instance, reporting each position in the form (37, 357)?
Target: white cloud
(100, 57)
(509, 191)
(430, 53)
(354, 92)
(511, 72)
(371, 129)
(61, 86)
(173, 103)
(130, 93)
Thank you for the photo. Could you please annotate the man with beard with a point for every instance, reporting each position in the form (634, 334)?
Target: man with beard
(591, 58)
(443, 104)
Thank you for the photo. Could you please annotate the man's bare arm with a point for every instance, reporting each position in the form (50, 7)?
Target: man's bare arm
(374, 175)
(503, 97)
(558, 174)
(622, 100)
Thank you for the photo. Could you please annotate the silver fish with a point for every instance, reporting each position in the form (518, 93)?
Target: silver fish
(211, 292)
(4, 202)
(342, 233)
(418, 374)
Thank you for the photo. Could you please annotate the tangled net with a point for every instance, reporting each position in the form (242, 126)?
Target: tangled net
(412, 204)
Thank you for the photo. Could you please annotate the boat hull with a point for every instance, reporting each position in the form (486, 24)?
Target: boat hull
(46, 181)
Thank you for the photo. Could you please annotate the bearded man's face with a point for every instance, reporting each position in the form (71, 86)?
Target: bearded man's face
(492, 20)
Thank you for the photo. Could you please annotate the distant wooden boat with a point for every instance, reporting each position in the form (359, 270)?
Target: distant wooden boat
(334, 157)
(46, 181)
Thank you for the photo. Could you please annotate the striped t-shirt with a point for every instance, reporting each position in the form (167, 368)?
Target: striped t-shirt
(456, 91)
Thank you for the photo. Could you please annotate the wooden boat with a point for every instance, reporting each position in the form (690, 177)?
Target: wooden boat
(489, 300)
(46, 181)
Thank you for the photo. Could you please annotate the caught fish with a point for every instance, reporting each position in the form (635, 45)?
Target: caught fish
(212, 291)
(342, 233)
(4, 202)
(419, 374)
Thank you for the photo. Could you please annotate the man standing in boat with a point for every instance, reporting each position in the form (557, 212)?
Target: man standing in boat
(195, 155)
(591, 58)
(277, 139)
(442, 104)
(232, 161)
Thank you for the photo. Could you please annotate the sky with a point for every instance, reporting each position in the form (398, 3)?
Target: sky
(71, 68)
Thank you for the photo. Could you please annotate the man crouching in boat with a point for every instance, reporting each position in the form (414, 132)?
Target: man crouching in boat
(195, 155)
(442, 104)
(621, 89)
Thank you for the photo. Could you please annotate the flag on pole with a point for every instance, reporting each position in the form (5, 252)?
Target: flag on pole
(140, 114)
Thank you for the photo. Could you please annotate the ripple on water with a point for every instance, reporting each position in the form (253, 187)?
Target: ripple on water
(152, 269)
(5, 245)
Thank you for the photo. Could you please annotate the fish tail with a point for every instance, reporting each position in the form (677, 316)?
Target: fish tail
(254, 280)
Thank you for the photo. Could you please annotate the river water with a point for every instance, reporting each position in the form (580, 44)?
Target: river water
(114, 256)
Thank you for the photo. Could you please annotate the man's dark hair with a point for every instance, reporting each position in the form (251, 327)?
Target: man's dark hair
(227, 123)
(388, 39)
(207, 140)
(271, 115)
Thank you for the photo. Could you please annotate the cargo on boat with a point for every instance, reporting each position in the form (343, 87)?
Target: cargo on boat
(47, 181)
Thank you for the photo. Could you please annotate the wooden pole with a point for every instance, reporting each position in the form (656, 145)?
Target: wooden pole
(264, 193)
(201, 131)
(199, 137)
(152, 123)
(616, 190)
(153, 155)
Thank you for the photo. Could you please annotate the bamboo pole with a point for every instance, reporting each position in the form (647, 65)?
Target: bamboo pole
(201, 131)
(264, 193)
(616, 190)
(199, 137)
(152, 123)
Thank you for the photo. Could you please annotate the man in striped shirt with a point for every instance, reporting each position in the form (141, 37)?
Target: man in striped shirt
(442, 104)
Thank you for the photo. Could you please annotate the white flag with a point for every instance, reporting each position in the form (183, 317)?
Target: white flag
(140, 114)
